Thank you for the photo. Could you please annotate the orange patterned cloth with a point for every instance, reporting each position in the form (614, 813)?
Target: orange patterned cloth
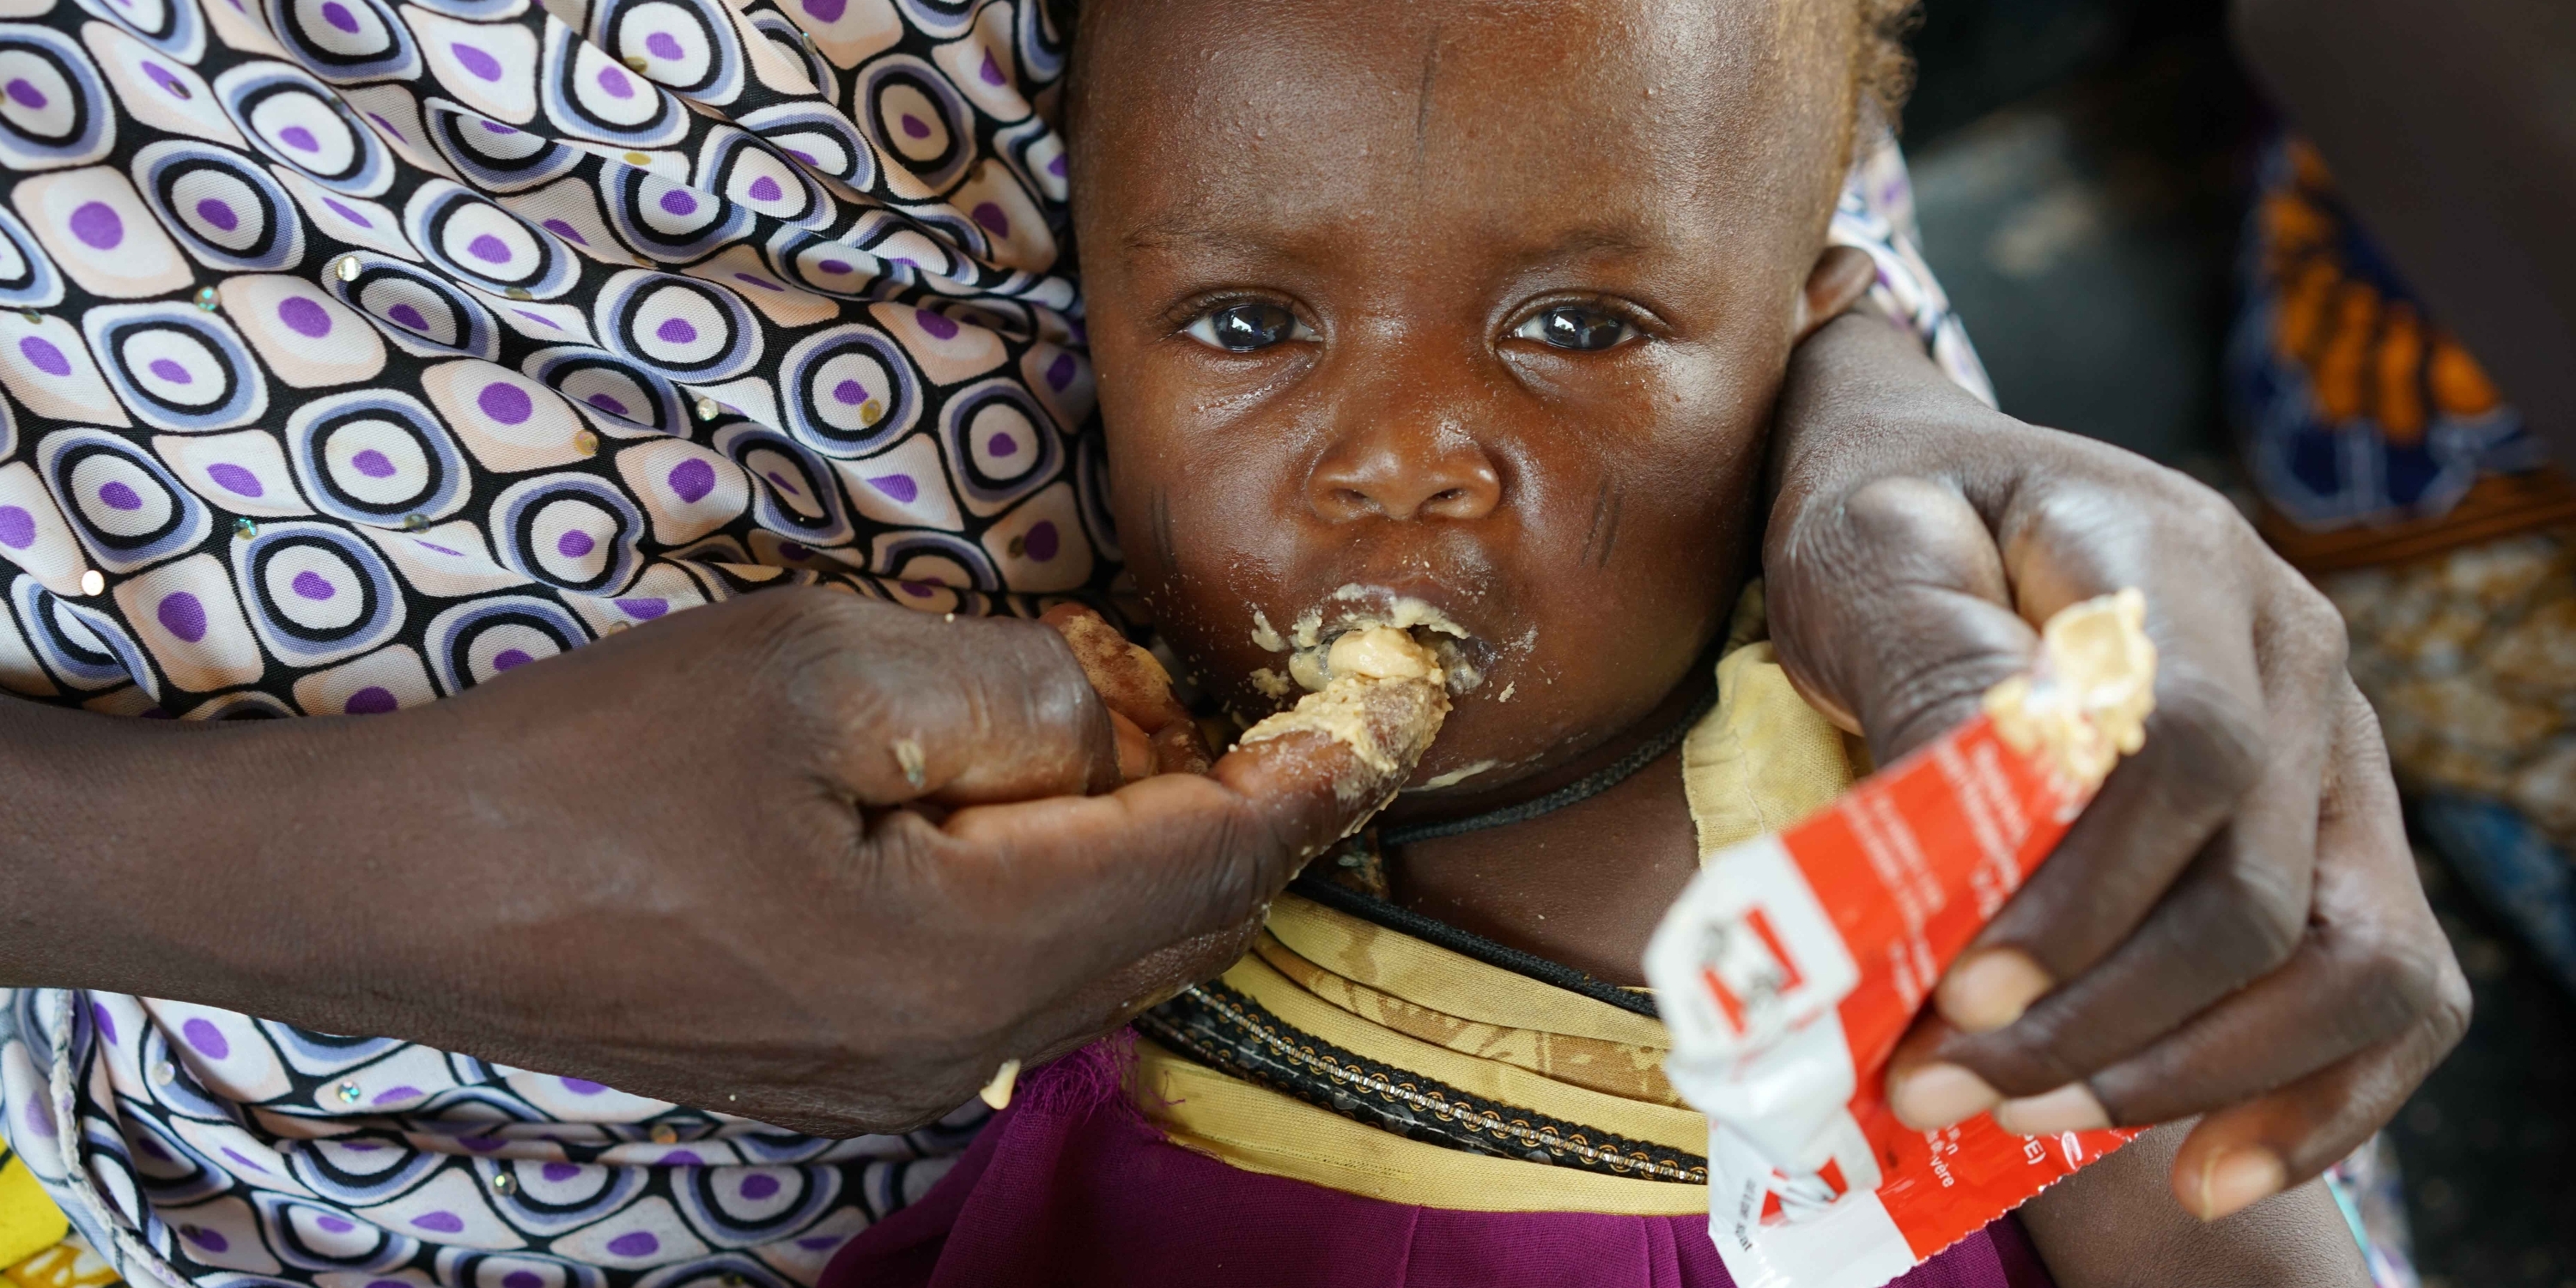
(2372, 435)
(2392, 471)
(37, 1248)
(68, 1264)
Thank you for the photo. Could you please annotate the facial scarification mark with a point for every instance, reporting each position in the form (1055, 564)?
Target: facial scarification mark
(1593, 534)
(1610, 529)
(1163, 547)
(1422, 97)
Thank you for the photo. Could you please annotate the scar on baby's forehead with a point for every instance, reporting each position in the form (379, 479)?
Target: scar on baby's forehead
(1162, 516)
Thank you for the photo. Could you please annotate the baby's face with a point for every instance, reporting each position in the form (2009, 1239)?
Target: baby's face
(1480, 302)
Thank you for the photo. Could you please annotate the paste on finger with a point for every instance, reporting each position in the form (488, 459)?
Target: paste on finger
(1383, 695)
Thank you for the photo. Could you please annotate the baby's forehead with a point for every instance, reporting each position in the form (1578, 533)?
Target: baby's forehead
(1577, 44)
(1625, 102)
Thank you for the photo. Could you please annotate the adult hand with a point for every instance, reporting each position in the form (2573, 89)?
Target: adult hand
(1155, 733)
(2234, 927)
(758, 857)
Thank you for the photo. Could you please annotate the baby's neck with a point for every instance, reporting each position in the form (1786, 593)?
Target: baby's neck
(1582, 886)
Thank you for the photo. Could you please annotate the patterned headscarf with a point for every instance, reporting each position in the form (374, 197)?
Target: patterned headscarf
(358, 351)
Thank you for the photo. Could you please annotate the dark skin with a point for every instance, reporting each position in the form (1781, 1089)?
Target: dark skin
(1025, 927)
(702, 894)
(1354, 326)
(2236, 917)
(1616, 456)
(664, 941)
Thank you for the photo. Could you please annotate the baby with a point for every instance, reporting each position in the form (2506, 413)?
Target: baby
(1470, 312)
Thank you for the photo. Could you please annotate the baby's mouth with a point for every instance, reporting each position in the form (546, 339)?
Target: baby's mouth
(1463, 656)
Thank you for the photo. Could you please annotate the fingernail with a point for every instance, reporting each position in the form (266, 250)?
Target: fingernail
(1937, 1095)
(2072, 1107)
(2238, 1179)
(997, 1093)
(1991, 989)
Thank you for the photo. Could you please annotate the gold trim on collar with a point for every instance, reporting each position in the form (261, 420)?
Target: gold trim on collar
(1761, 759)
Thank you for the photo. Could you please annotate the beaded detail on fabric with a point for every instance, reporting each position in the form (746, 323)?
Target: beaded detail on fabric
(1221, 1027)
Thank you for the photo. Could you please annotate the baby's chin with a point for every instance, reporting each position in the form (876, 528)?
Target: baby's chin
(1483, 748)
(1499, 745)
(1489, 739)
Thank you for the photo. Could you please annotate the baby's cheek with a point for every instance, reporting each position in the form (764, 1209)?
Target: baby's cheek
(1662, 588)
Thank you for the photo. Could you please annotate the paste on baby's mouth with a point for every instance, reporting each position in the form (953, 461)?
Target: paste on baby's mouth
(1312, 642)
(1385, 700)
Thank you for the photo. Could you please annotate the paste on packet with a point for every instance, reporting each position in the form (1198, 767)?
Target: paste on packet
(1793, 963)
(2087, 702)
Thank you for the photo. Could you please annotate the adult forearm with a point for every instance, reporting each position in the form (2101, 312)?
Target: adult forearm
(2451, 129)
(159, 858)
(2113, 1224)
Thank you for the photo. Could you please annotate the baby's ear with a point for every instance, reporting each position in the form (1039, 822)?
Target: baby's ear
(1842, 275)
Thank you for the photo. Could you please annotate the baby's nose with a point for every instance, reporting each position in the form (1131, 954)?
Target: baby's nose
(1404, 477)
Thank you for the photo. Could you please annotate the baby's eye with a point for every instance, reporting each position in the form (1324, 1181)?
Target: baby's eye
(1243, 328)
(1576, 326)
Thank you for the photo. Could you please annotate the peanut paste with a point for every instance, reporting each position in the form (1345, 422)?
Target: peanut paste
(1384, 695)
(2085, 704)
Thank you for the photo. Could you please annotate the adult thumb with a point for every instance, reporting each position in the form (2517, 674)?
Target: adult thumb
(1891, 612)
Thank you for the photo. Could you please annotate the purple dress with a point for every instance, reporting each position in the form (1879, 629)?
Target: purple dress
(1072, 1187)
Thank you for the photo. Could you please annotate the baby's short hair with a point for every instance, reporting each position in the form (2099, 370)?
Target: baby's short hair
(1882, 69)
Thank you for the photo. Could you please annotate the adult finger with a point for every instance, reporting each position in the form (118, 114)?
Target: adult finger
(1891, 612)
(919, 707)
(1181, 748)
(1919, 553)
(2234, 916)
(2373, 966)
(1054, 917)
(2247, 905)
(1127, 677)
(2241, 1155)
(1135, 748)
(1099, 883)
(1138, 691)
(1161, 884)
(2228, 716)
(1235, 835)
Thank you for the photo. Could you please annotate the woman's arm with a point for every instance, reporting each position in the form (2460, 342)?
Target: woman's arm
(2113, 1226)
(2234, 927)
(2452, 129)
(667, 861)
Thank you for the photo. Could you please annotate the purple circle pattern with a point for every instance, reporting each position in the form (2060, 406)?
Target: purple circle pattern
(353, 511)
(389, 454)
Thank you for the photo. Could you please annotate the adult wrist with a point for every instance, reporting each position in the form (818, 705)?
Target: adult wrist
(162, 858)
(1857, 392)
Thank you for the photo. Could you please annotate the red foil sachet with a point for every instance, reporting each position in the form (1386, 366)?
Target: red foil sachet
(1794, 962)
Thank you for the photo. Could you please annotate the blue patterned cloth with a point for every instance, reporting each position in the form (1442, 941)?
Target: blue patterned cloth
(2352, 405)
(355, 352)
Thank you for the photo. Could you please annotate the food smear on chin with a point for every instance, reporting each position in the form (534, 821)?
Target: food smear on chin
(1459, 775)
(1385, 699)
(1266, 637)
(1313, 641)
